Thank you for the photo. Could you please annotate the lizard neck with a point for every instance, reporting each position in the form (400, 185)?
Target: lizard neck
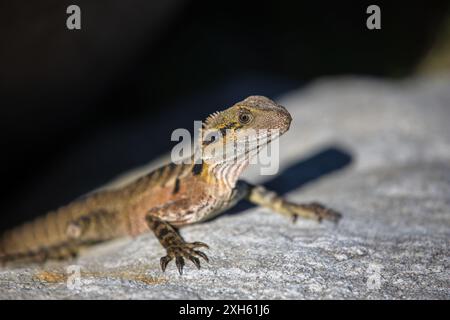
(227, 173)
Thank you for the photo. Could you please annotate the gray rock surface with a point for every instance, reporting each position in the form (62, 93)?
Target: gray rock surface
(392, 140)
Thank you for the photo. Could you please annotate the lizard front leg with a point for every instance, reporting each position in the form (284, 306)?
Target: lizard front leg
(269, 199)
(174, 244)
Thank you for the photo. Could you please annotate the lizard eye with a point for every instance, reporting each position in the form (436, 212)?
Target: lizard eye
(245, 117)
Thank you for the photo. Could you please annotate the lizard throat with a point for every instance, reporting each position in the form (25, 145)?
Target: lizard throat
(226, 167)
(228, 172)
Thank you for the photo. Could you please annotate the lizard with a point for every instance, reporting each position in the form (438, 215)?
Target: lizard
(170, 197)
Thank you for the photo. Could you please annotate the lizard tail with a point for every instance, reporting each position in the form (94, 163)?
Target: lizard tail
(38, 240)
(60, 233)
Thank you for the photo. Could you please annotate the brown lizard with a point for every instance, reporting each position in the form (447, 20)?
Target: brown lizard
(172, 196)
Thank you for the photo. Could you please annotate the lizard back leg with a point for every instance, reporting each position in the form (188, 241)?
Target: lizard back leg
(269, 199)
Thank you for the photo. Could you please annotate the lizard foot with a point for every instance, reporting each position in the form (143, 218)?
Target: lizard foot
(184, 250)
(314, 211)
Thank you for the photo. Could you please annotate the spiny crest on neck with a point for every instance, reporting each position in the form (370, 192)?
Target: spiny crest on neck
(210, 119)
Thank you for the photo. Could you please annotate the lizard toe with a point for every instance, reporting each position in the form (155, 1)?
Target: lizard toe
(202, 255)
(164, 262)
(179, 261)
(195, 261)
(184, 251)
(197, 244)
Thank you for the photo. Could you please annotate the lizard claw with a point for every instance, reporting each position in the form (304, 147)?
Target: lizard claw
(164, 261)
(179, 261)
(195, 261)
(198, 244)
(181, 251)
(201, 254)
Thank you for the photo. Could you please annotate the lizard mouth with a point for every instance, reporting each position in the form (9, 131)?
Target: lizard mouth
(242, 147)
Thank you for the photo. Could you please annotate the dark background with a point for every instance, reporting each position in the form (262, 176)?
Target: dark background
(80, 107)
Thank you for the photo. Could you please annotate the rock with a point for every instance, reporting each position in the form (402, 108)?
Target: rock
(376, 150)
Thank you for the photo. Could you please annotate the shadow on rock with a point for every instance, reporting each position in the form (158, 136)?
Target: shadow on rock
(327, 161)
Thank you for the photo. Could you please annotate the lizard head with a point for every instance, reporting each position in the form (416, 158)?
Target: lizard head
(245, 127)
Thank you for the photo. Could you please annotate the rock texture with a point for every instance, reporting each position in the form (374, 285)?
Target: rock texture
(377, 151)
